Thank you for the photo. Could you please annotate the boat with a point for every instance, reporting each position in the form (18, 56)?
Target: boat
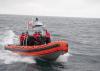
(45, 50)
(50, 51)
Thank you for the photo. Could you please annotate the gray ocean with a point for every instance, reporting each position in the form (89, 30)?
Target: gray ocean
(82, 35)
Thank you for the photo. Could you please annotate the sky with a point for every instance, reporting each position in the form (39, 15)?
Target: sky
(64, 8)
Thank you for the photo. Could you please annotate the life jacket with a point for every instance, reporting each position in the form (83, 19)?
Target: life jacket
(39, 38)
(23, 37)
(36, 35)
(47, 34)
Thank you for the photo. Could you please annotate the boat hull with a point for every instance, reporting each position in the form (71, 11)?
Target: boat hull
(50, 57)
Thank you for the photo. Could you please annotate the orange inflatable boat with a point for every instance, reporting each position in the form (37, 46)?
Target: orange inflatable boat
(50, 51)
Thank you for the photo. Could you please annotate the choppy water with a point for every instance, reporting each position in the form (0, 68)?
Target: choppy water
(82, 34)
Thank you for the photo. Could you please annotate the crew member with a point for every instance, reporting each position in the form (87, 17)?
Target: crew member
(47, 36)
(22, 38)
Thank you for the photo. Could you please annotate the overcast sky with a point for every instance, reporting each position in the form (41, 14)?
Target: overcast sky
(67, 8)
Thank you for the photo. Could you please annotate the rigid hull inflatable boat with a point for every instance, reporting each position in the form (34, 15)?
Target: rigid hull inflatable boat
(50, 51)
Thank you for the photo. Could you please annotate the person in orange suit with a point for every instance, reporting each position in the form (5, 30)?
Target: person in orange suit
(47, 36)
(22, 38)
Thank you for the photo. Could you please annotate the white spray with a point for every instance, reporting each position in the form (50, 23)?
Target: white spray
(8, 57)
